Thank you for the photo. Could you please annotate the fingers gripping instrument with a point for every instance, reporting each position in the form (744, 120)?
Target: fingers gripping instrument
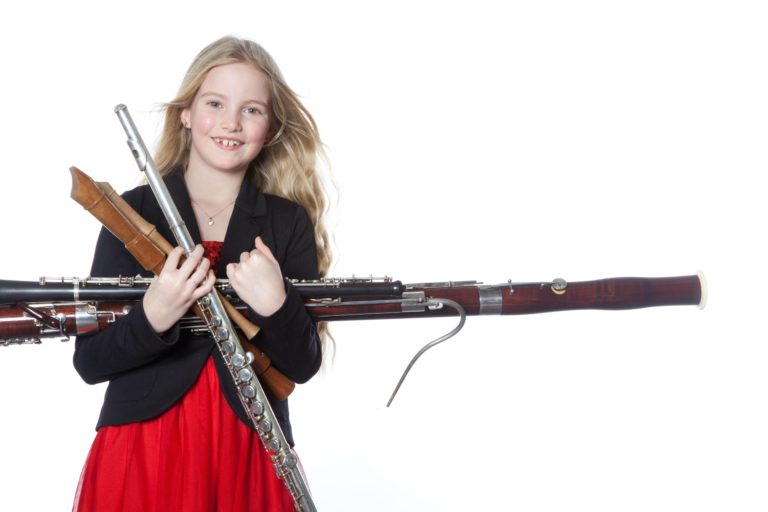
(150, 249)
(250, 391)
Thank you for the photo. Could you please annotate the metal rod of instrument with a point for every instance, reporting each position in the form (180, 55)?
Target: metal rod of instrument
(463, 316)
(250, 391)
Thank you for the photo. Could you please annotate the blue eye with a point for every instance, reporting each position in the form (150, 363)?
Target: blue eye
(252, 110)
(214, 103)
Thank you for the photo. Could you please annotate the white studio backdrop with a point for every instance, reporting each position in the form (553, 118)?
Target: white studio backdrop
(468, 141)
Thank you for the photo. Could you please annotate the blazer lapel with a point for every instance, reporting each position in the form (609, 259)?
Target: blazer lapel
(178, 190)
(245, 224)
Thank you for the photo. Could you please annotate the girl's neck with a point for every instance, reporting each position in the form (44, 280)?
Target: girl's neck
(212, 187)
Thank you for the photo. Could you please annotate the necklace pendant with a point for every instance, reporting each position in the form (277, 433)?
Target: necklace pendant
(210, 221)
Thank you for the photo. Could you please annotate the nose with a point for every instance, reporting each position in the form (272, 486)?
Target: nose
(231, 120)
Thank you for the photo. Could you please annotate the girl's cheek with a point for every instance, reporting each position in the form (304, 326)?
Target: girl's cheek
(260, 130)
(204, 124)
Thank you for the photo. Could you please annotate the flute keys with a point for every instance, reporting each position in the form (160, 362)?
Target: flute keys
(241, 360)
(290, 460)
(245, 375)
(248, 391)
(228, 348)
(238, 360)
(222, 334)
(257, 408)
(265, 426)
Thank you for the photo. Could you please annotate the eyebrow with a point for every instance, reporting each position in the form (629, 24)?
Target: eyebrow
(217, 95)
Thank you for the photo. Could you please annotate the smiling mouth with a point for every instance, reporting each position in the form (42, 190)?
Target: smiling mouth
(228, 143)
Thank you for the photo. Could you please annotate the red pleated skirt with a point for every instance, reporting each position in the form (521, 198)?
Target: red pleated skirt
(196, 457)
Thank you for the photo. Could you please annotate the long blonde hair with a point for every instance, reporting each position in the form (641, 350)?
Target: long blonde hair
(287, 164)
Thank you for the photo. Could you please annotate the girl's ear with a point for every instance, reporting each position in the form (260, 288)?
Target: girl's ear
(185, 117)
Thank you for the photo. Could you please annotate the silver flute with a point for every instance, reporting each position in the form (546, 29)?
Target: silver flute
(250, 391)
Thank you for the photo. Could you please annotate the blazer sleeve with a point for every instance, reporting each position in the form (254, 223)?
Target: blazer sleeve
(128, 343)
(289, 336)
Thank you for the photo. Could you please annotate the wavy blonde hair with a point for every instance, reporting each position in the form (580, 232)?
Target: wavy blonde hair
(287, 164)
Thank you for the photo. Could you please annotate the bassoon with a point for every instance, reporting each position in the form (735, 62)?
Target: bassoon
(60, 307)
(334, 299)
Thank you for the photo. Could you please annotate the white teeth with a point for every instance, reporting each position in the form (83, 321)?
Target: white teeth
(228, 143)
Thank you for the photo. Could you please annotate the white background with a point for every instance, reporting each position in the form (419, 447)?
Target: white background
(548, 139)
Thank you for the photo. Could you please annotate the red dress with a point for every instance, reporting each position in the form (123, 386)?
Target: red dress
(195, 457)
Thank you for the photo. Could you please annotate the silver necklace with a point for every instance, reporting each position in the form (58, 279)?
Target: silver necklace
(210, 217)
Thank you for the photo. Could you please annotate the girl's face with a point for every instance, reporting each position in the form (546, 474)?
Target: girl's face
(228, 119)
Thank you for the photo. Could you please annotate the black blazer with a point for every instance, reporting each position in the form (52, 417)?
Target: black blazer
(148, 373)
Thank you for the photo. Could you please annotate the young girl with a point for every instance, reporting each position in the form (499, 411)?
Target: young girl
(238, 156)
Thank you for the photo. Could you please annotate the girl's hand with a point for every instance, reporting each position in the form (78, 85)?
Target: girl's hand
(257, 279)
(174, 291)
